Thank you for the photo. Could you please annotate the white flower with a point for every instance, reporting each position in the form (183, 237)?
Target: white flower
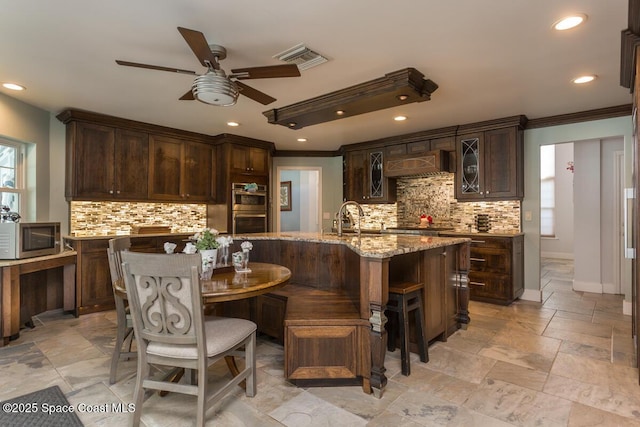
(224, 241)
(246, 246)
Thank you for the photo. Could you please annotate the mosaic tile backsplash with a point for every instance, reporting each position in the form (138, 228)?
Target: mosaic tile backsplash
(108, 218)
(434, 195)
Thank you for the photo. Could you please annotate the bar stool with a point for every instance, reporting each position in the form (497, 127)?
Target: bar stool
(404, 298)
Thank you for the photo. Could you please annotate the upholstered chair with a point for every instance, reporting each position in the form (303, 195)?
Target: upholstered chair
(165, 299)
(124, 332)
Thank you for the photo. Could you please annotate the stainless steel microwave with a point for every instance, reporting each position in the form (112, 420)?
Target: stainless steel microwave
(29, 239)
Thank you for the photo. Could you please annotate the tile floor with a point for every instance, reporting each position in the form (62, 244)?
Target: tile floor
(566, 362)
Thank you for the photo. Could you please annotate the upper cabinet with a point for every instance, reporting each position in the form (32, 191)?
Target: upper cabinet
(249, 160)
(364, 178)
(109, 158)
(180, 170)
(105, 162)
(490, 165)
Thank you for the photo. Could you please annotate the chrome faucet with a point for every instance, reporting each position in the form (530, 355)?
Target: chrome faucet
(341, 211)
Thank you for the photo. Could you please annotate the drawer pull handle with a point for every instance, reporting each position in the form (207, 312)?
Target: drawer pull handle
(477, 241)
(478, 259)
(477, 283)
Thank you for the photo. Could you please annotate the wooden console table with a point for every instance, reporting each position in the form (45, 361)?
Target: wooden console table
(10, 272)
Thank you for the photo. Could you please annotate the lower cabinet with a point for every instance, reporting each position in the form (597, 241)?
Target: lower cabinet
(93, 277)
(496, 274)
(304, 359)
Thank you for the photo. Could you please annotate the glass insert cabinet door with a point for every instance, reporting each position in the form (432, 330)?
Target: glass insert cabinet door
(375, 174)
(470, 166)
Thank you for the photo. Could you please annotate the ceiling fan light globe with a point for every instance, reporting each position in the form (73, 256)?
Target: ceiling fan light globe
(215, 88)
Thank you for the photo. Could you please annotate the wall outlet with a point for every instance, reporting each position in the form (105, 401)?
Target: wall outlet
(326, 215)
(527, 215)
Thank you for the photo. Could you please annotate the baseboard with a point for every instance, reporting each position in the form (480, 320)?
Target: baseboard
(609, 288)
(557, 255)
(593, 287)
(627, 307)
(532, 295)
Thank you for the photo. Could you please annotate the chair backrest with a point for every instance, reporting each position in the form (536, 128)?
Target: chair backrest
(116, 247)
(165, 298)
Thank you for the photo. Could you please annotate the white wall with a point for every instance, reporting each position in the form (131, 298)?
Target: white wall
(22, 122)
(290, 220)
(587, 221)
(533, 139)
(561, 246)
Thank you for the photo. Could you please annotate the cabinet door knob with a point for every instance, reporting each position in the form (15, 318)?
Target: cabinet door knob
(118, 192)
(110, 191)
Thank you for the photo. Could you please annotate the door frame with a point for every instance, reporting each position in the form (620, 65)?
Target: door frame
(275, 193)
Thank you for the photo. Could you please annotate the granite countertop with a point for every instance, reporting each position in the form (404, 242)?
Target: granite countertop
(486, 234)
(111, 236)
(367, 245)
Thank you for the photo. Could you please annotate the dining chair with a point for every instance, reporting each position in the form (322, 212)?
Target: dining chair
(124, 331)
(165, 299)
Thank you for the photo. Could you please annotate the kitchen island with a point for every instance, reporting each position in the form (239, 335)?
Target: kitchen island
(326, 342)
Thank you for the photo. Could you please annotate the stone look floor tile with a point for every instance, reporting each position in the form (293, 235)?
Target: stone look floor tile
(515, 374)
(519, 405)
(308, 410)
(480, 377)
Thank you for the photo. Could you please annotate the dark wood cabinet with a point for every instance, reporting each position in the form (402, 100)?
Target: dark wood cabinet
(112, 158)
(249, 160)
(131, 164)
(93, 277)
(364, 177)
(180, 170)
(105, 163)
(490, 165)
(496, 273)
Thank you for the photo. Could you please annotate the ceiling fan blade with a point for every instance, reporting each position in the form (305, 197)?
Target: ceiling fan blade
(198, 44)
(154, 67)
(187, 96)
(268, 72)
(255, 94)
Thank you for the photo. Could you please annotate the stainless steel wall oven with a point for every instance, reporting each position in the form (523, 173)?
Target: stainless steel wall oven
(249, 208)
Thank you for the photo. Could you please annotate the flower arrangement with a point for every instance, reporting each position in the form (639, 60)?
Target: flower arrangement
(224, 241)
(426, 218)
(206, 239)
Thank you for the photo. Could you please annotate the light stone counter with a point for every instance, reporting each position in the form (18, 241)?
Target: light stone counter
(367, 245)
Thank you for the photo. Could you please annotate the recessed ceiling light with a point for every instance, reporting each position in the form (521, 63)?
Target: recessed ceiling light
(584, 79)
(233, 124)
(569, 22)
(302, 139)
(13, 86)
(400, 118)
(340, 112)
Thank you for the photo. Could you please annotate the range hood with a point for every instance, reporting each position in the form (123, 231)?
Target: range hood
(416, 165)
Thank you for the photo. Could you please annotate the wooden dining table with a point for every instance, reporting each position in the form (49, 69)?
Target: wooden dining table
(228, 285)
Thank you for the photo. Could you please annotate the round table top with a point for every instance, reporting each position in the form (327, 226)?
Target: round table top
(232, 286)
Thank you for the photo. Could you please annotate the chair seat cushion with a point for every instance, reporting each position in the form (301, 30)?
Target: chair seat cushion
(222, 334)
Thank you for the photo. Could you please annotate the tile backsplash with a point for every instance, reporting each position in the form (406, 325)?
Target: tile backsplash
(107, 218)
(434, 195)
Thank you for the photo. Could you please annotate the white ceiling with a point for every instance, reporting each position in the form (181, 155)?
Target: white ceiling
(490, 58)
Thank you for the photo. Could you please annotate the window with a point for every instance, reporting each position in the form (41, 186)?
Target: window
(11, 178)
(547, 190)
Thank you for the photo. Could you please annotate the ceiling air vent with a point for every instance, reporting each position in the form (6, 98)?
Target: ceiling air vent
(302, 56)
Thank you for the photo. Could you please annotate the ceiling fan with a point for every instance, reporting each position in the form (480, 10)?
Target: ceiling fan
(215, 87)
